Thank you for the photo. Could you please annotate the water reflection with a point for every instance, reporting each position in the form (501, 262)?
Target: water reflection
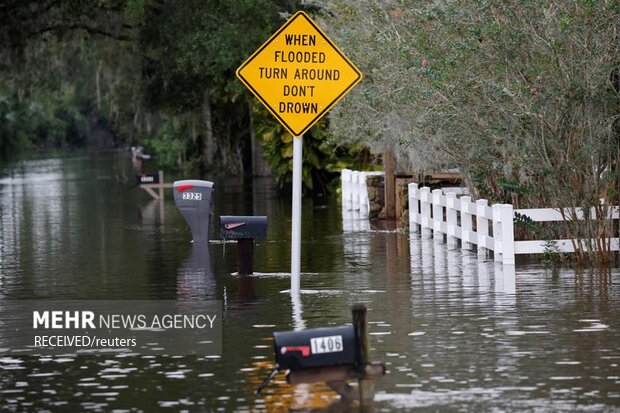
(247, 289)
(353, 221)
(195, 276)
(456, 269)
(153, 212)
(458, 332)
(298, 321)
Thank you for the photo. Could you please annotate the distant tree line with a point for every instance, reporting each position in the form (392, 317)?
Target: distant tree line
(158, 72)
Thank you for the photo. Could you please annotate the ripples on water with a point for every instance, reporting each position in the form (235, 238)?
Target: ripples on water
(457, 332)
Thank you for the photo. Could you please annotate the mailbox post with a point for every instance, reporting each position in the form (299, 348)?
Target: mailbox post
(193, 199)
(244, 229)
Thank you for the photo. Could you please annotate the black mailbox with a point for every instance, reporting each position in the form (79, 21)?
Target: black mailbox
(147, 179)
(240, 227)
(193, 199)
(316, 347)
(333, 355)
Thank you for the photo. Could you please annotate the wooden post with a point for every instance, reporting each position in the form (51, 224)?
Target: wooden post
(360, 323)
(390, 192)
(161, 184)
(161, 210)
(398, 202)
(245, 256)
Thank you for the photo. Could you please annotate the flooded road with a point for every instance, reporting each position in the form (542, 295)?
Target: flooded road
(457, 333)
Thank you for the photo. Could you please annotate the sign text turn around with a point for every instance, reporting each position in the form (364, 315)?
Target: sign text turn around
(299, 74)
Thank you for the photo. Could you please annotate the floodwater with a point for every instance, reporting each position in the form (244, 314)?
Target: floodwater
(457, 332)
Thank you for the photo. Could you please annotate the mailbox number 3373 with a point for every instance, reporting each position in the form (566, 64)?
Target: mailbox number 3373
(197, 196)
(330, 344)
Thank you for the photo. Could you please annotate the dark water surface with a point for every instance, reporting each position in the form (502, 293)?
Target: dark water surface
(457, 333)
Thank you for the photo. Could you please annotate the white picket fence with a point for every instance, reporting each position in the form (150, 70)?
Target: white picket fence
(439, 214)
(355, 191)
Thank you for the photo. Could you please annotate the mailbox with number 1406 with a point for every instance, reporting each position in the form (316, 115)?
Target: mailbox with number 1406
(315, 347)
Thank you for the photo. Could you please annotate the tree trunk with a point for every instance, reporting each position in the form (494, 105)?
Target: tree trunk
(208, 142)
(390, 190)
(98, 84)
(259, 164)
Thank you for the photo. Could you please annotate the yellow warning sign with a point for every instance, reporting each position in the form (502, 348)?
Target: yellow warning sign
(299, 74)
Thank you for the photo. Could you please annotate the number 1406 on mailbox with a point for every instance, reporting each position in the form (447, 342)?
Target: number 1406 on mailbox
(330, 344)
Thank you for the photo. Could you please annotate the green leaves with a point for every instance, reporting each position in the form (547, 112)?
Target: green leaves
(323, 158)
(169, 145)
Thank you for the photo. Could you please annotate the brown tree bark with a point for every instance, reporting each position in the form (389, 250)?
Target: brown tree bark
(208, 141)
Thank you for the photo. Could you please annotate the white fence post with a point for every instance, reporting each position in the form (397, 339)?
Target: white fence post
(351, 191)
(362, 194)
(425, 211)
(364, 201)
(343, 188)
(414, 209)
(482, 227)
(497, 232)
(451, 219)
(466, 222)
(356, 191)
(429, 215)
(347, 194)
(437, 215)
(508, 237)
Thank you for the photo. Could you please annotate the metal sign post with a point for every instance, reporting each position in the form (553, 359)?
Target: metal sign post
(298, 75)
(296, 224)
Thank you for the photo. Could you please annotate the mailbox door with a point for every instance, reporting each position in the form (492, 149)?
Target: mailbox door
(239, 227)
(317, 347)
(193, 199)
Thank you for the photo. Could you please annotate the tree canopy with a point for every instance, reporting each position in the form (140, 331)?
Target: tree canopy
(152, 68)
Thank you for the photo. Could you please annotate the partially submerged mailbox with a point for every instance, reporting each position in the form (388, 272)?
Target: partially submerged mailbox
(193, 199)
(241, 227)
(333, 355)
(147, 179)
(316, 347)
(244, 229)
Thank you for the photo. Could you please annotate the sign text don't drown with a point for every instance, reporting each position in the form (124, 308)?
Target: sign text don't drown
(299, 74)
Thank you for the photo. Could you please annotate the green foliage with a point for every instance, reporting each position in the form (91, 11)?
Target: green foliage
(46, 120)
(15, 128)
(527, 223)
(169, 145)
(518, 89)
(138, 65)
(552, 254)
(519, 95)
(323, 158)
